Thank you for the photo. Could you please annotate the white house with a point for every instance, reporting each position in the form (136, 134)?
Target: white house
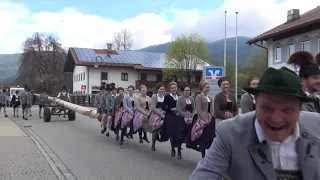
(90, 67)
(299, 32)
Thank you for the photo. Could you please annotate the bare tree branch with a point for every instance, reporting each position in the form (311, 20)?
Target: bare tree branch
(42, 63)
(122, 40)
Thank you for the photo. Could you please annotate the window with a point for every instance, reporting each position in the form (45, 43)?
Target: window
(84, 76)
(81, 77)
(197, 78)
(159, 77)
(290, 50)
(305, 46)
(124, 76)
(143, 76)
(277, 54)
(104, 75)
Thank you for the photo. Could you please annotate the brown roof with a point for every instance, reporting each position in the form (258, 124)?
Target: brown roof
(310, 17)
(4, 84)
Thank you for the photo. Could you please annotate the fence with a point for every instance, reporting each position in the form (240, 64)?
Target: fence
(88, 100)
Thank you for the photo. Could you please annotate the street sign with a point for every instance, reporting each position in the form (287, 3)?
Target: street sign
(83, 87)
(212, 74)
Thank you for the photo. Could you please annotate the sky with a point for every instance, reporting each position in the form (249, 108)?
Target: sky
(91, 24)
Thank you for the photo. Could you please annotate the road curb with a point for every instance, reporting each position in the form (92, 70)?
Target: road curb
(56, 164)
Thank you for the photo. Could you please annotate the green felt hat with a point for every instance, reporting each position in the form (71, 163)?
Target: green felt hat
(308, 64)
(282, 82)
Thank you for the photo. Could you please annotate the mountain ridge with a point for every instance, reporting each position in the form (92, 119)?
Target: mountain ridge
(217, 50)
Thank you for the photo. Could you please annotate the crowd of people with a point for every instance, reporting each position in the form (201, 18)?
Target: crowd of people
(277, 136)
(167, 117)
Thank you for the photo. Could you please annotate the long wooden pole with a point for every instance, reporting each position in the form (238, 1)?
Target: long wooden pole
(79, 109)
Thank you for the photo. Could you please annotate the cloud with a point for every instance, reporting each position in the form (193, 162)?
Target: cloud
(76, 29)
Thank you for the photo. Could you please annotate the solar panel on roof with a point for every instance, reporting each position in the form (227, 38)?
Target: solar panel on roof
(146, 59)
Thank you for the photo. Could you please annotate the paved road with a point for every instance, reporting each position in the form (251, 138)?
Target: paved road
(20, 159)
(88, 155)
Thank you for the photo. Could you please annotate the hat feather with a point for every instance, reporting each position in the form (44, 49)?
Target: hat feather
(318, 59)
(300, 57)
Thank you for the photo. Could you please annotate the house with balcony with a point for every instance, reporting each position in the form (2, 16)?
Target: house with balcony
(299, 32)
(90, 67)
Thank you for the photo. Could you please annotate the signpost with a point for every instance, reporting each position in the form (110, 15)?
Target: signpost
(83, 87)
(212, 74)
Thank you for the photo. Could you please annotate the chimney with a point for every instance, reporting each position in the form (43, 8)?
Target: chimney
(293, 14)
(109, 45)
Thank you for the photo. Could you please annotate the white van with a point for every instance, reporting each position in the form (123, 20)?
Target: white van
(13, 91)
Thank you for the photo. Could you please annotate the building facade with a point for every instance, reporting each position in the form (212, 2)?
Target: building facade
(90, 67)
(300, 32)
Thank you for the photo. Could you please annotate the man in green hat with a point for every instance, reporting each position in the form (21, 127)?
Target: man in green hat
(310, 75)
(276, 141)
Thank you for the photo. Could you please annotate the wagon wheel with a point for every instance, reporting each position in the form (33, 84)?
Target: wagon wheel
(47, 115)
(71, 115)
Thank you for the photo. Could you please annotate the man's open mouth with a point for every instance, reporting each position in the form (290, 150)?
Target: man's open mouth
(276, 128)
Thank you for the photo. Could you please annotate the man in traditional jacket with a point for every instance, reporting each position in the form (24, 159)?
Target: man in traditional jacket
(64, 96)
(97, 101)
(43, 101)
(26, 101)
(110, 108)
(310, 75)
(104, 110)
(276, 141)
(3, 102)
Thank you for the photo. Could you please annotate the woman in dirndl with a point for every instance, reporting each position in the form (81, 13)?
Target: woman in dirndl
(202, 129)
(248, 102)
(127, 116)
(157, 114)
(118, 111)
(171, 120)
(186, 110)
(141, 115)
(225, 103)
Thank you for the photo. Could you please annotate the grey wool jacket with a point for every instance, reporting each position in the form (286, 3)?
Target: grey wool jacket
(181, 106)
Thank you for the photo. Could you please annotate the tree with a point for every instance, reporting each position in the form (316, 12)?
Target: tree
(42, 63)
(184, 55)
(257, 63)
(122, 40)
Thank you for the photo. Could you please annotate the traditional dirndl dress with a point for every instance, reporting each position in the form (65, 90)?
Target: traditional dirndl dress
(183, 125)
(200, 134)
(127, 118)
(118, 116)
(139, 121)
(156, 121)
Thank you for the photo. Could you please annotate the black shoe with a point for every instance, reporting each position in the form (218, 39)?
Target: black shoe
(127, 136)
(107, 134)
(26, 119)
(179, 156)
(173, 153)
(30, 115)
(140, 140)
(103, 130)
(117, 138)
(153, 148)
(121, 143)
(17, 116)
(146, 139)
(6, 116)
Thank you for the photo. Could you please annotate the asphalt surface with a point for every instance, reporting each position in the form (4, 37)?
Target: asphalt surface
(89, 155)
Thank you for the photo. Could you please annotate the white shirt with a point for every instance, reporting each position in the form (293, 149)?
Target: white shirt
(284, 155)
(160, 98)
(175, 97)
